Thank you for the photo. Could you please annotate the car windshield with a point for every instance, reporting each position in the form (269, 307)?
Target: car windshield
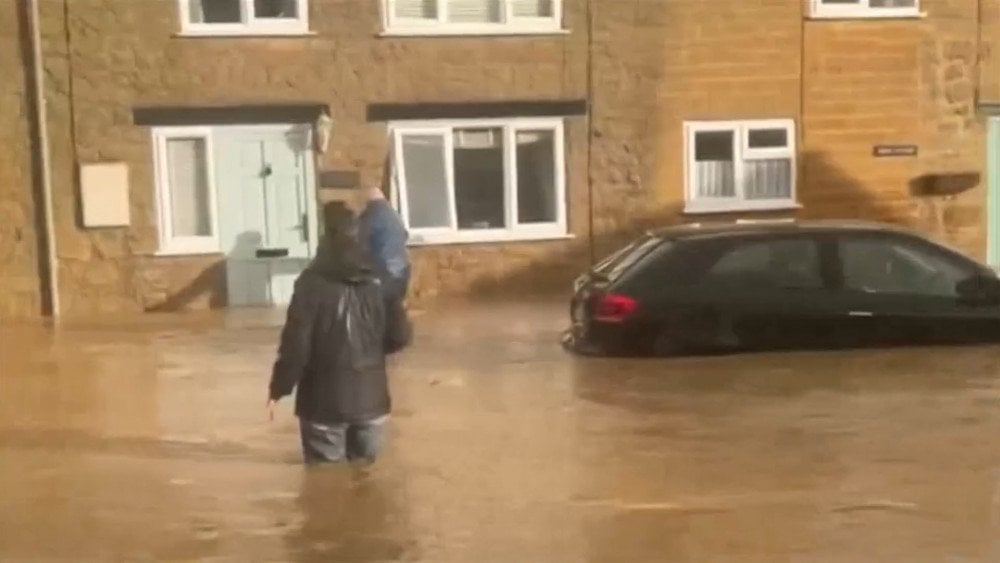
(615, 265)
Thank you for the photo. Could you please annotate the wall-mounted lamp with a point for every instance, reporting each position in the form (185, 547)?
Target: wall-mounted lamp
(321, 131)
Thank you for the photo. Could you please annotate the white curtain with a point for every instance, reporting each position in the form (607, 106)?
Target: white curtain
(197, 11)
(426, 181)
(416, 9)
(475, 11)
(768, 179)
(532, 8)
(715, 178)
(188, 183)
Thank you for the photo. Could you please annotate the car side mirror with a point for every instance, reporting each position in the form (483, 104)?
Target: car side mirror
(980, 288)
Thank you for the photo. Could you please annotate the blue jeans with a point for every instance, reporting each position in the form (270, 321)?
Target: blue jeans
(331, 443)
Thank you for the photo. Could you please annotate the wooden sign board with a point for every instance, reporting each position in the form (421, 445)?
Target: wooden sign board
(894, 150)
(339, 179)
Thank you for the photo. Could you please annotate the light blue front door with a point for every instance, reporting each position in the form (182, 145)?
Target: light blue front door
(266, 210)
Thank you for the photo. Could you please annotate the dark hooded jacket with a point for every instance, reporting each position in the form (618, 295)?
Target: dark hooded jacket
(338, 332)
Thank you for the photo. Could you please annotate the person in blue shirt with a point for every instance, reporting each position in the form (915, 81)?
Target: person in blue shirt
(383, 234)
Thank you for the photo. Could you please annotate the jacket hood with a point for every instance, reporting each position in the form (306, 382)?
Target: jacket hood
(340, 258)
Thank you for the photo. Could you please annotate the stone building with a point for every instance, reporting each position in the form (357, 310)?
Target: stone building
(189, 150)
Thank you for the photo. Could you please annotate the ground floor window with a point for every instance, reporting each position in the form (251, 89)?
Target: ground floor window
(186, 190)
(865, 8)
(739, 165)
(480, 180)
(235, 190)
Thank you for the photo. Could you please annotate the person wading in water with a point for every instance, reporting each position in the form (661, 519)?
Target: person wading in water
(340, 327)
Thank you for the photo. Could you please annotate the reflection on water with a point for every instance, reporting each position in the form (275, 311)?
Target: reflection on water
(146, 439)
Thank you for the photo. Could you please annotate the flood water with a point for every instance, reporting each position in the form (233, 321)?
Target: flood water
(147, 439)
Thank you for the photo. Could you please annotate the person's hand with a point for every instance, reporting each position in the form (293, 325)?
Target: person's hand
(271, 403)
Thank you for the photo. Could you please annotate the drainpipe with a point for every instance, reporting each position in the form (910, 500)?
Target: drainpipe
(45, 169)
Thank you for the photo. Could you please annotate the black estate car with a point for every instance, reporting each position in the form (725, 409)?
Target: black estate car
(781, 285)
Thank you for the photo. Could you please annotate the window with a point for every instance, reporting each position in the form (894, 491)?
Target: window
(459, 17)
(185, 191)
(865, 8)
(891, 266)
(738, 166)
(769, 264)
(475, 181)
(244, 17)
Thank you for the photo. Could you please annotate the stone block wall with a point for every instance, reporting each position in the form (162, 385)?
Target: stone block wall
(657, 64)
(109, 56)
(647, 66)
(848, 84)
(20, 286)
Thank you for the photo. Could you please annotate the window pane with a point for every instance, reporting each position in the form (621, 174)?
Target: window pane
(768, 179)
(893, 3)
(426, 181)
(884, 266)
(187, 182)
(475, 11)
(773, 264)
(276, 8)
(714, 165)
(215, 11)
(767, 138)
(416, 9)
(533, 8)
(479, 178)
(536, 177)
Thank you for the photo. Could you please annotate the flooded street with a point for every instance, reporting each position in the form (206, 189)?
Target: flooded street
(148, 440)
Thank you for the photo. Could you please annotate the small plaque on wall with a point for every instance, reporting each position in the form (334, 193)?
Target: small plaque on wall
(104, 194)
(894, 150)
(339, 179)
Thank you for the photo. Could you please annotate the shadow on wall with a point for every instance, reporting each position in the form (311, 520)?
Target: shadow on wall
(213, 282)
(210, 282)
(825, 191)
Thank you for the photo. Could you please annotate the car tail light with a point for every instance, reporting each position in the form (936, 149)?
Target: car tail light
(613, 308)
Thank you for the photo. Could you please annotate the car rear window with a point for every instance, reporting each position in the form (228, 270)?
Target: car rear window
(618, 263)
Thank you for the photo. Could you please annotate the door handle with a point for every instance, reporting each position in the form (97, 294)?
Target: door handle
(861, 314)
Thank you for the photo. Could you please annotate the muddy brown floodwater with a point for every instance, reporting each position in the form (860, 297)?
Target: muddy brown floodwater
(147, 439)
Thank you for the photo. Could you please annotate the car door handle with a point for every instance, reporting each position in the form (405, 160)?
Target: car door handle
(861, 314)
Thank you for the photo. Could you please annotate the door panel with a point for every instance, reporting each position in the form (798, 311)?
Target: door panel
(264, 202)
(285, 200)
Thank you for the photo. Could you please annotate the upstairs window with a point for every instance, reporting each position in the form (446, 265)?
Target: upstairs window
(244, 17)
(472, 17)
(865, 8)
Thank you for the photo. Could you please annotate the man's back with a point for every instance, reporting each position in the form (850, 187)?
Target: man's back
(334, 346)
(384, 235)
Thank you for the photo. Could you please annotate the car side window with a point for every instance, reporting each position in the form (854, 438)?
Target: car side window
(792, 263)
(891, 266)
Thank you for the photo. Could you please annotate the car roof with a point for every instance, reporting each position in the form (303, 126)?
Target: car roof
(767, 227)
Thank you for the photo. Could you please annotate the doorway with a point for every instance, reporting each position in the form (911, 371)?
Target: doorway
(267, 210)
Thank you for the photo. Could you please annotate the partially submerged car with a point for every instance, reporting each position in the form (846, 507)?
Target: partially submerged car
(733, 287)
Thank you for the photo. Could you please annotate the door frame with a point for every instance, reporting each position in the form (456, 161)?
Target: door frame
(993, 191)
(309, 167)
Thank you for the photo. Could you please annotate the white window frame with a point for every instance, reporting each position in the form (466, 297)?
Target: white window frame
(513, 230)
(250, 25)
(441, 26)
(741, 153)
(860, 10)
(170, 245)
